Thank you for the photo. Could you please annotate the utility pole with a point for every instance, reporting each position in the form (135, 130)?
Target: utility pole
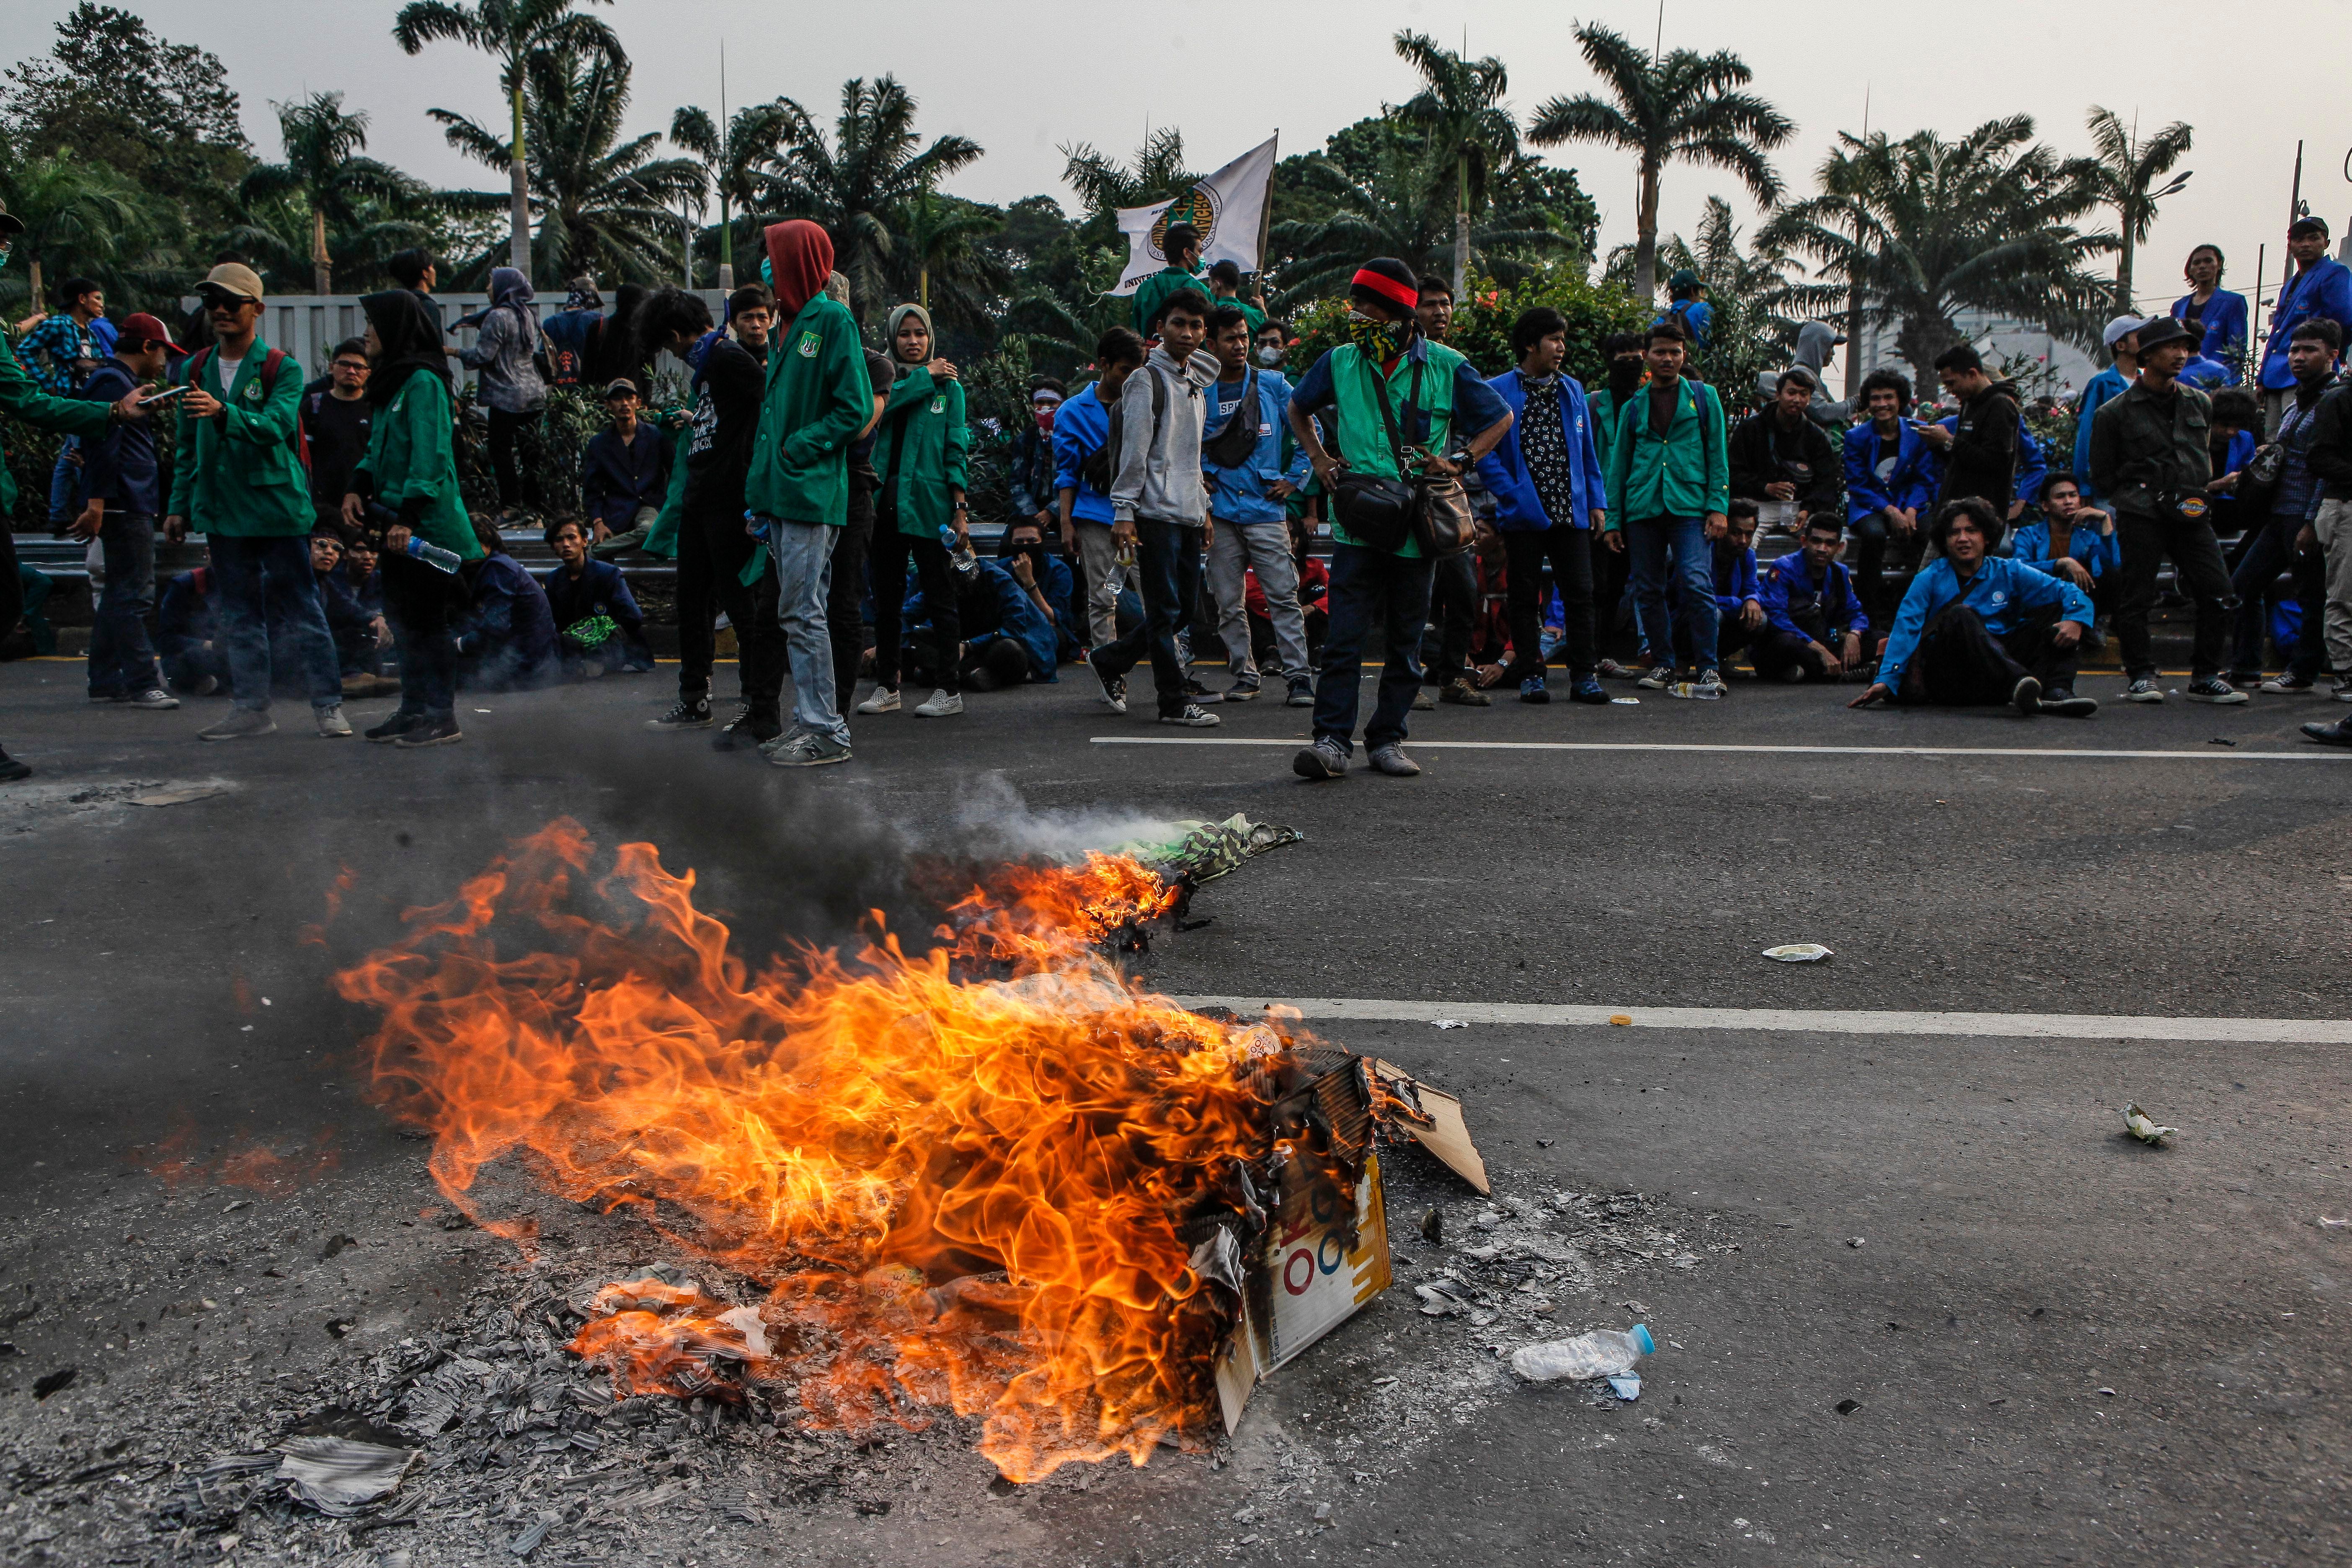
(726, 160)
(1853, 278)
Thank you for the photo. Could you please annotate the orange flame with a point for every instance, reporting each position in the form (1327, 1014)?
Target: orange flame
(962, 1194)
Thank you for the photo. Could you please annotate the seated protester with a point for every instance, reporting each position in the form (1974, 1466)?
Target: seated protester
(348, 623)
(1975, 630)
(1814, 622)
(1007, 627)
(596, 616)
(1024, 541)
(1890, 480)
(2091, 559)
(1739, 597)
(188, 634)
(1781, 460)
(623, 478)
(505, 639)
(1314, 601)
(370, 676)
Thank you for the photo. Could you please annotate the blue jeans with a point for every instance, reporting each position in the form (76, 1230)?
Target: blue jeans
(66, 483)
(804, 556)
(1647, 542)
(266, 585)
(2272, 552)
(1167, 571)
(1367, 586)
(121, 660)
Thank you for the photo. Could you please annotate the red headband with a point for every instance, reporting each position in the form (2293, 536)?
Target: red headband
(1386, 286)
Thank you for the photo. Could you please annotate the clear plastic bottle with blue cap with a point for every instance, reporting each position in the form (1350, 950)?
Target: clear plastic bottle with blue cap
(1603, 1352)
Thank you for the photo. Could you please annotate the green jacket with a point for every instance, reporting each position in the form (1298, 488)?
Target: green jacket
(817, 400)
(412, 468)
(1363, 428)
(677, 431)
(920, 453)
(1154, 291)
(20, 396)
(1255, 317)
(1603, 406)
(2143, 442)
(238, 473)
(1687, 474)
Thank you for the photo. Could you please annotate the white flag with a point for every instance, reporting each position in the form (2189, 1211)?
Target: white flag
(1228, 209)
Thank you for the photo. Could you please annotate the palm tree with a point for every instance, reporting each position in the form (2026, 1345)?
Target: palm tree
(1459, 112)
(1157, 174)
(320, 167)
(1923, 228)
(1681, 107)
(859, 185)
(756, 136)
(935, 237)
(605, 205)
(79, 216)
(2129, 169)
(512, 31)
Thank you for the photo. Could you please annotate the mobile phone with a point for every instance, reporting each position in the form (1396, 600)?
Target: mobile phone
(166, 395)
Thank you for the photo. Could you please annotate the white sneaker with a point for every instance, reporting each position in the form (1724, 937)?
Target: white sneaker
(154, 697)
(333, 725)
(884, 700)
(942, 705)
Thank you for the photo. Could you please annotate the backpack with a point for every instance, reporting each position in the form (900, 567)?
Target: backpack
(1100, 466)
(299, 441)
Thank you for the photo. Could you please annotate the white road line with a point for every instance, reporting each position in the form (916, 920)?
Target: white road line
(2014, 1026)
(2208, 754)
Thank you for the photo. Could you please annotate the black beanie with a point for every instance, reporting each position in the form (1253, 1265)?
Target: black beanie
(1388, 281)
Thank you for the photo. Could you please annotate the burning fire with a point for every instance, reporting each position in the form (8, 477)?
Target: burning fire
(967, 1178)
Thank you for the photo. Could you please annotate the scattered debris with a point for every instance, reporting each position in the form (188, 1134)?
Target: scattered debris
(178, 794)
(51, 1383)
(1625, 702)
(1432, 1118)
(1855, 1242)
(1450, 1023)
(1621, 1018)
(338, 1476)
(2325, 1223)
(1626, 1386)
(1848, 1406)
(2220, 740)
(1433, 1227)
(1206, 850)
(2136, 1122)
(1798, 953)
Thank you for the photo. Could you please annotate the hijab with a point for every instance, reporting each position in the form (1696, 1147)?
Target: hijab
(898, 318)
(408, 341)
(800, 256)
(510, 290)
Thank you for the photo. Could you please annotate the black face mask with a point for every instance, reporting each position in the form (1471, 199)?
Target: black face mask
(1624, 375)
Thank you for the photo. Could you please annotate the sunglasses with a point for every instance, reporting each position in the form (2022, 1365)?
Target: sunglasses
(222, 299)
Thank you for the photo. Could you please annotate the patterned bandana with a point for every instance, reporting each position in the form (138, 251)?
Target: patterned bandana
(1376, 340)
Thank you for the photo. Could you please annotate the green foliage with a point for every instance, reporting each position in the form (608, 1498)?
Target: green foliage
(1482, 323)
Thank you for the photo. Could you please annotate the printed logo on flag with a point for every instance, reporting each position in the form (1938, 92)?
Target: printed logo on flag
(1198, 206)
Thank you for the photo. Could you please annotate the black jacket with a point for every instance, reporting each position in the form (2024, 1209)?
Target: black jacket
(2330, 456)
(1761, 453)
(1983, 459)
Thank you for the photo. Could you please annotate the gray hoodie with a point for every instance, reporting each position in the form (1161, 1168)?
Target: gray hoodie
(1158, 471)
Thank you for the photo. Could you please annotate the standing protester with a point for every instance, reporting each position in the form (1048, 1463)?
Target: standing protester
(817, 400)
(1271, 345)
(567, 332)
(1550, 492)
(1687, 309)
(1784, 461)
(2148, 458)
(119, 476)
(2223, 312)
(60, 350)
(1082, 430)
(2329, 455)
(1446, 419)
(1454, 593)
(2293, 503)
(1975, 629)
(236, 478)
(2121, 337)
(624, 469)
(2321, 290)
(1226, 288)
(1180, 244)
(1611, 568)
(1029, 477)
(1815, 620)
(1669, 488)
(1250, 486)
(417, 270)
(845, 605)
(407, 487)
(921, 452)
(1980, 452)
(1159, 506)
(505, 356)
(1888, 483)
(335, 416)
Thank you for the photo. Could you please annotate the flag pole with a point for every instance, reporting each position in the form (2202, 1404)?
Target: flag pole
(1265, 211)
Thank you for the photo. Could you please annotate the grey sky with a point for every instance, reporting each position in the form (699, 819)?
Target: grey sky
(1023, 78)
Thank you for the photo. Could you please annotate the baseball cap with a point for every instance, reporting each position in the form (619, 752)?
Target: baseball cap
(2120, 329)
(235, 277)
(140, 328)
(620, 386)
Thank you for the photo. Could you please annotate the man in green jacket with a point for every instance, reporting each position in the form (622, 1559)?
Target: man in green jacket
(1669, 487)
(21, 397)
(1180, 244)
(237, 479)
(818, 400)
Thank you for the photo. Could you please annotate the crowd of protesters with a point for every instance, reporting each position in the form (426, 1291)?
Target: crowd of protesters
(1484, 523)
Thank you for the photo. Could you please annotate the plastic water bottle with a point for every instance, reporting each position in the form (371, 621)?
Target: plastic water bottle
(1603, 1352)
(1694, 690)
(435, 556)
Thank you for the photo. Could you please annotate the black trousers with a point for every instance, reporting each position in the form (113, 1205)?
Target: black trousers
(845, 605)
(517, 482)
(1613, 617)
(1453, 617)
(712, 550)
(1570, 550)
(936, 573)
(1959, 663)
(420, 604)
(2197, 559)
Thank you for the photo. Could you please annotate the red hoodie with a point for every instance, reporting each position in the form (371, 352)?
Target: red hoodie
(800, 256)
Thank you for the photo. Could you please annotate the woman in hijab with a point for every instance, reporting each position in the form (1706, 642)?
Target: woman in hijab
(406, 485)
(505, 353)
(920, 452)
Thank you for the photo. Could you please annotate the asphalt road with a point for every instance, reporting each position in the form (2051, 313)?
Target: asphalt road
(2065, 1346)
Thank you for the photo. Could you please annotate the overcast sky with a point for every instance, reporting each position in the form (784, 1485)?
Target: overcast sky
(1024, 77)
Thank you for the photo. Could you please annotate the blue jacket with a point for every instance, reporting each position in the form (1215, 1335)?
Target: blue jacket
(2207, 374)
(2032, 467)
(1238, 494)
(2225, 327)
(1517, 507)
(1791, 577)
(1912, 485)
(1697, 317)
(2322, 290)
(2104, 385)
(120, 467)
(993, 605)
(615, 481)
(1081, 425)
(185, 617)
(1735, 581)
(2099, 553)
(599, 589)
(2001, 591)
(506, 640)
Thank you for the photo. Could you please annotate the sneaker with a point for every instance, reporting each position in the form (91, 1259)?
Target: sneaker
(687, 713)
(431, 729)
(1114, 687)
(942, 705)
(1193, 717)
(1709, 681)
(744, 730)
(241, 724)
(12, 769)
(2214, 689)
(1657, 678)
(2143, 690)
(393, 728)
(884, 700)
(157, 697)
(2243, 677)
(2326, 733)
(2288, 684)
(1302, 692)
(1611, 670)
(1327, 759)
(101, 699)
(1243, 690)
(808, 750)
(333, 725)
(359, 684)
(1392, 760)
(1462, 693)
(2062, 701)
(1195, 692)
(1422, 702)
(1533, 690)
(2342, 692)
(1588, 689)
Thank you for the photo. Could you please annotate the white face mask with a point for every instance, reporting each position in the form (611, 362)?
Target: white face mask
(1269, 356)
